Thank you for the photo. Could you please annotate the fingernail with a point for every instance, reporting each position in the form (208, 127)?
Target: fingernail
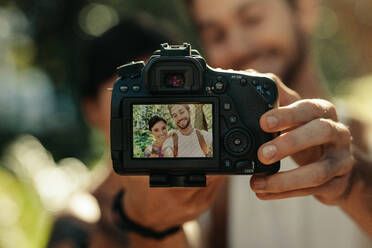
(269, 151)
(259, 184)
(271, 121)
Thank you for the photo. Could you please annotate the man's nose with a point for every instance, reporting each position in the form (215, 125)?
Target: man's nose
(240, 49)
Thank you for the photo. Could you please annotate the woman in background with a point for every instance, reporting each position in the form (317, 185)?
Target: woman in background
(159, 129)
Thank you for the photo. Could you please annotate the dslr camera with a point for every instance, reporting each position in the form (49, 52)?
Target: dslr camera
(177, 119)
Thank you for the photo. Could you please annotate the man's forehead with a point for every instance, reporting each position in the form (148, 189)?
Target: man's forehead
(177, 107)
(205, 10)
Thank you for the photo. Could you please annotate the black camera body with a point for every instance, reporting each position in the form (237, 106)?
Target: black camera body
(177, 85)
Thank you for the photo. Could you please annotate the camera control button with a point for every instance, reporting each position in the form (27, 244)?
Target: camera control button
(243, 82)
(255, 82)
(227, 163)
(219, 86)
(244, 164)
(233, 119)
(124, 88)
(136, 88)
(266, 85)
(238, 142)
(227, 106)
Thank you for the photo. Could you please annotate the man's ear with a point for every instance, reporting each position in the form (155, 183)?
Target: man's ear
(307, 12)
(91, 112)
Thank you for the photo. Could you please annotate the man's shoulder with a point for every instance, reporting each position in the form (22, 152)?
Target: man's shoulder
(205, 133)
(169, 140)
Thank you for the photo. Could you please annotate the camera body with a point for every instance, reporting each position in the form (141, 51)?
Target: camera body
(208, 119)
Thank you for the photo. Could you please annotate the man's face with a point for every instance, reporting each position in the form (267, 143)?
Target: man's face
(257, 34)
(180, 116)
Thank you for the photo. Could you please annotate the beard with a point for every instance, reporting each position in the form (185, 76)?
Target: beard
(294, 66)
(186, 125)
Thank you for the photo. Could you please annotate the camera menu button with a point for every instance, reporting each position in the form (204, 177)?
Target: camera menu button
(124, 88)
(136, 88)
(245, 164)
(227, 106)
(219, 86)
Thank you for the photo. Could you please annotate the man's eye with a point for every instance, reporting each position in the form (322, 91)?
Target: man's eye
(214, 36)
(251, 19)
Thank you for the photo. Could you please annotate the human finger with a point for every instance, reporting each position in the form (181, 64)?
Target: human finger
(297, 113)
(329, 193)
(314, 133)
(309, 176)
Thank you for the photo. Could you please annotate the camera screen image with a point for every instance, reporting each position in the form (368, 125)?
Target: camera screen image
(176, 130)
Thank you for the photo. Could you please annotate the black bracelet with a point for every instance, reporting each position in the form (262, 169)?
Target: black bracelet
(129, 225)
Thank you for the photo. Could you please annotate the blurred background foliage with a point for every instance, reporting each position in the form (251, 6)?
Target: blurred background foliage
(40, 43)
(39, 47)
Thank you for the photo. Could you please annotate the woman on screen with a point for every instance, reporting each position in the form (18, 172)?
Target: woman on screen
(159, 129)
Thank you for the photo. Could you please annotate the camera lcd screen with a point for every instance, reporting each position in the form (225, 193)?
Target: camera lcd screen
(176, 130)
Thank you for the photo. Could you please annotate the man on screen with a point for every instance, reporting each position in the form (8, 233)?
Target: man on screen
(186, 141)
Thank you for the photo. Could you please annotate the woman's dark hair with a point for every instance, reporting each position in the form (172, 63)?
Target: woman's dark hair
(155, 119)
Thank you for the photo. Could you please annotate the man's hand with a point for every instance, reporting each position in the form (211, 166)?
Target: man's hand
(319, 144)
(162, 208)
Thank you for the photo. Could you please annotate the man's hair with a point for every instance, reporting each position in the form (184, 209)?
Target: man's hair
(155, 119)
(132, 39)
(189, 3)
(170, 106)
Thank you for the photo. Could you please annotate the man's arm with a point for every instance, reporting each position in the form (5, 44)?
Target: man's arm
(164, 208)
(177, 240)
(357, 202)
(167, 148)
(208, 137)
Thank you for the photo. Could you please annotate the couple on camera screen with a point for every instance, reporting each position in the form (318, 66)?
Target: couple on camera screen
(186, 140)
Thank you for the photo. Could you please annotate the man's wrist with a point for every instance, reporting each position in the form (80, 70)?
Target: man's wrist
(136, 213)
(178, 240)
(136, 221)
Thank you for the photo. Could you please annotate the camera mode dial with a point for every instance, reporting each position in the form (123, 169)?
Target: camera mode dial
(131, 70)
